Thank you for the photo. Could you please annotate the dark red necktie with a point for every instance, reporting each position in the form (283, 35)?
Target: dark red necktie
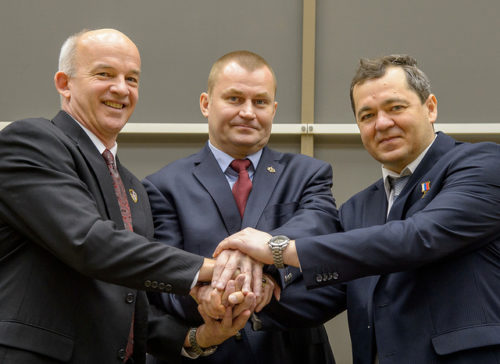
(243, 185)
(121, 195)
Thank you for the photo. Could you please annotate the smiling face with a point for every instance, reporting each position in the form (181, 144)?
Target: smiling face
(103, 92)
(240, 109)
(395, 126)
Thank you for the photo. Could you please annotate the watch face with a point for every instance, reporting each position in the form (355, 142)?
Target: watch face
(279, 240)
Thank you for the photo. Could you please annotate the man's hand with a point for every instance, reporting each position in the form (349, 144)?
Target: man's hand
(214, 301)
(214, 332)
(269, 287)
(249, 241)
(229, 262)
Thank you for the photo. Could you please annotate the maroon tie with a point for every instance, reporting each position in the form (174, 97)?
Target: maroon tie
(121, 195)
(243, 185)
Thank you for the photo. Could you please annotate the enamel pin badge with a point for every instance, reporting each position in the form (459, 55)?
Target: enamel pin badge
(270, 169)
(133, 195)
(426, 186)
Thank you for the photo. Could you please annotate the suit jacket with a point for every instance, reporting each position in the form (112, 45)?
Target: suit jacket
(423, 284)
(69, 271)
(194, 209)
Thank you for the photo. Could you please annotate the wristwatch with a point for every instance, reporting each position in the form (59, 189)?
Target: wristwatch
(196, 348)
(278, 244)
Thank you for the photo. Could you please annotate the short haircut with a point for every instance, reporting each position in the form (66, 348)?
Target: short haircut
(67, 56)
(376, 68)
(246, 59)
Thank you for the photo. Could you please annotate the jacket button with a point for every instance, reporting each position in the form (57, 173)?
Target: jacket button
(168, 287)
(121, 354)
(319, 278)
(147, 283)
(129, 298)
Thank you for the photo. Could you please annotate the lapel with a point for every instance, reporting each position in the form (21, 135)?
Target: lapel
(375, 214)
(411, 192)
(208, 173)
(95, 163)
(264, 182)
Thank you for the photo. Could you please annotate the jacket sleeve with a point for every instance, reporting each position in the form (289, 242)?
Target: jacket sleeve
(458, 215)
(48, 196)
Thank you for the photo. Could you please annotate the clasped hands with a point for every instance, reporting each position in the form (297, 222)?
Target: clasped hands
(240, 289)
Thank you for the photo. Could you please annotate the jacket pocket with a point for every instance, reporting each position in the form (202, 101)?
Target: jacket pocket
(36, 339)
(466, 338)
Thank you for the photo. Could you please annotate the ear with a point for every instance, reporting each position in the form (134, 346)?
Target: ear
(432, 110)
(61, 81)
(275, 107)
(204, 104)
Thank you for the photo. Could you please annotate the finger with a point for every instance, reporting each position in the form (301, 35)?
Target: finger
(230, 289)
(232, 263)
(248, 304)
(267, 294)
(230, 242)
(194, 293)
(247, 268)
(236, 298)
(220, 265)
(212, 304)
(257, 279)
(240, 321)
(277, 292)
(227, 320)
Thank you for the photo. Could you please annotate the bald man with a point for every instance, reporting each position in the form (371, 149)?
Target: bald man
(75, 225)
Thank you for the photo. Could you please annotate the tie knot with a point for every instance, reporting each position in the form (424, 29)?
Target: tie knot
(240, 164)
(108, 157)
(398, 183)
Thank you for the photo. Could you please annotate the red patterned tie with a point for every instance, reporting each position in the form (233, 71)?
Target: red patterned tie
(243, 185)
(121, 195)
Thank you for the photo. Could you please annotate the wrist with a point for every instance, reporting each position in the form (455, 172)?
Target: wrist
(195, 346)
(206, 270)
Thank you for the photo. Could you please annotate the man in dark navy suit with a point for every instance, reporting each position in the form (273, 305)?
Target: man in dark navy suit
(194, 208)
(418, 266)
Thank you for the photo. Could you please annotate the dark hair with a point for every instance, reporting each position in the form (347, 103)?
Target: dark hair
(376, 68)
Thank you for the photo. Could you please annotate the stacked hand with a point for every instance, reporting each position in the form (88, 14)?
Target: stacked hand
(225, 308)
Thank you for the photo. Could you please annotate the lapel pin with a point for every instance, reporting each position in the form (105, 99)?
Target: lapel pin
(133, 194)
(426, 186)
(271, 169)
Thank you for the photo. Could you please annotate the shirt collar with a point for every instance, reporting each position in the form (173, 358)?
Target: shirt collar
(96, 141)
(408, 170)
(224, 159)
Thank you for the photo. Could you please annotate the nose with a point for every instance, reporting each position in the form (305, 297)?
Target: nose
(383, 121)
(120, 86)
(247, 111)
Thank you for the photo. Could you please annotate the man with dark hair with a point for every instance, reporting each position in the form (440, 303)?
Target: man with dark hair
(195, 205)
(418, 263)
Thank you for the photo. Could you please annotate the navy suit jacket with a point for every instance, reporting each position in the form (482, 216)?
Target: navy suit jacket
(70, 274)
(423, 285)
(194, 209)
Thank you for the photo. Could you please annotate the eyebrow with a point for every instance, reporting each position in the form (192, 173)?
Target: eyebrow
(386, 102)
(107, 66)
(233, 91)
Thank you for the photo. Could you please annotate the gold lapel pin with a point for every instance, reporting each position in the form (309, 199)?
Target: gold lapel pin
(133, 194)
(270, 169)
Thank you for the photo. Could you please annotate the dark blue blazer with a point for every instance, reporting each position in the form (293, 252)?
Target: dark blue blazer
(194, 209)
(423, 285)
